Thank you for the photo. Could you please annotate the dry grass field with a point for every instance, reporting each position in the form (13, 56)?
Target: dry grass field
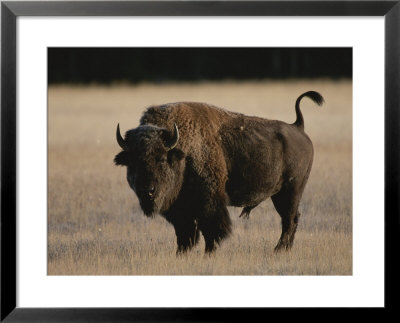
(96, 227)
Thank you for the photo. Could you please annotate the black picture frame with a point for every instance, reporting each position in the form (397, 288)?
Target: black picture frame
(10, 10)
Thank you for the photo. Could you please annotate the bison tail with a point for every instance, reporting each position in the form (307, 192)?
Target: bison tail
(315, 96)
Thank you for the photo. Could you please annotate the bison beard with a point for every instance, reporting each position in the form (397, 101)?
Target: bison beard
(189, 161)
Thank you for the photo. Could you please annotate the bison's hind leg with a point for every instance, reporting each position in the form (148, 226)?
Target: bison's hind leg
(286, 202)
(215, 224)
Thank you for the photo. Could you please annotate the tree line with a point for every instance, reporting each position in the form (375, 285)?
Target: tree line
(106, 65)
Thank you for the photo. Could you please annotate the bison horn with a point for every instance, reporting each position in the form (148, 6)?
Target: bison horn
(174, 141)
(121, 141)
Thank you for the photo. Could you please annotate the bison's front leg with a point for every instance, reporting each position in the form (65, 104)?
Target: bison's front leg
(187, 234)
(214, 223)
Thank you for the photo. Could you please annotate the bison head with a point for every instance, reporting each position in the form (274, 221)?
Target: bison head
(155, 166)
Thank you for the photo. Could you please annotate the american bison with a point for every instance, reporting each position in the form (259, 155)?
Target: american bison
(189, 161)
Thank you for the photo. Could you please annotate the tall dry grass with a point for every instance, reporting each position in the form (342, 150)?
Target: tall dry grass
(96, 227)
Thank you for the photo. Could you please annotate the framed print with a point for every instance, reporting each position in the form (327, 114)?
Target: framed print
(93, 151)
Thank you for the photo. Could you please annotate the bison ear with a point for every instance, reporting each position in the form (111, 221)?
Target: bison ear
(175, 155)
(122, 159)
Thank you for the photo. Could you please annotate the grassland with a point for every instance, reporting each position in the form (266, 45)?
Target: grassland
(96, 227)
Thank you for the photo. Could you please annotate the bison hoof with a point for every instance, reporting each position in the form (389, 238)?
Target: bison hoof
(181, 253)
(282, 246)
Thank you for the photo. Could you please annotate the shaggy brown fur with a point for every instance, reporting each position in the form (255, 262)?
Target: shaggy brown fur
(221, 158)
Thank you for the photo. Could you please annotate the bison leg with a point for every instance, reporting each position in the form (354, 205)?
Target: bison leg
(215, 224)
(187, 235)
(286, 203)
